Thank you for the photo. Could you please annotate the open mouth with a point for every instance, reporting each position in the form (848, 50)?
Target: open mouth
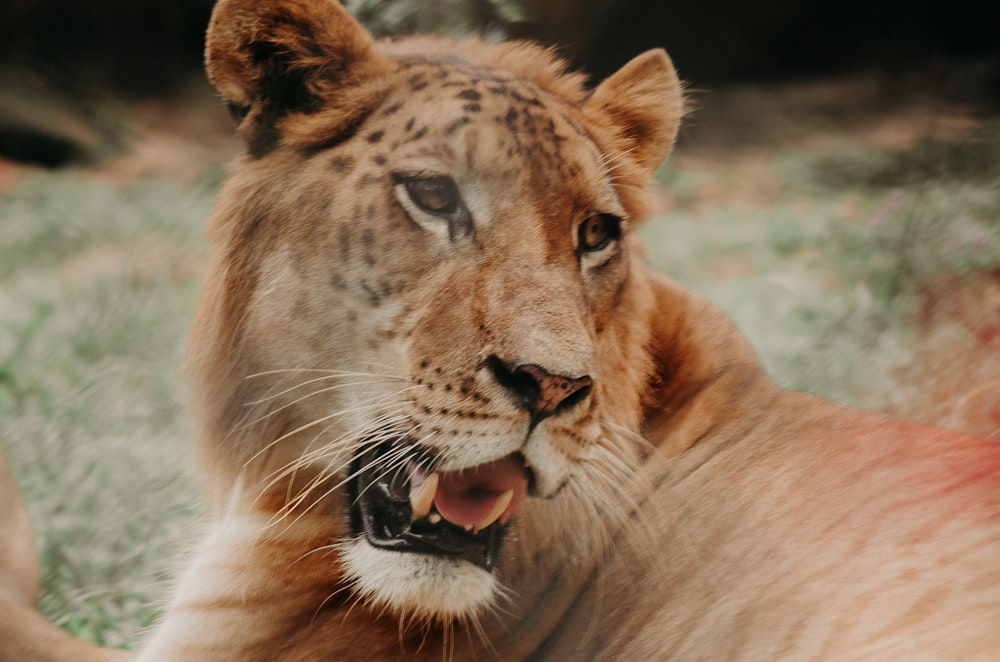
(409, 508)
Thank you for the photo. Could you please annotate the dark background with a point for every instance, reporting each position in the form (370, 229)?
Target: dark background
(140, 45)
(713, 41)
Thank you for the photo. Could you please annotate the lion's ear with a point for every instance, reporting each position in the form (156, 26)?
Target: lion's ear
(272, 58)
(643, 103)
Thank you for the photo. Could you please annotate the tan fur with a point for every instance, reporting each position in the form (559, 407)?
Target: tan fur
(688, 508)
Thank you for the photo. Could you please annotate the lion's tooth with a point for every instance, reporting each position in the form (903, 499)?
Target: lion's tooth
(434, 518)
(422, 498)
(499, 506)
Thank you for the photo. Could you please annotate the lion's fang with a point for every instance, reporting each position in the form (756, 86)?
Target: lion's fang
(499, 506)
(422, 497)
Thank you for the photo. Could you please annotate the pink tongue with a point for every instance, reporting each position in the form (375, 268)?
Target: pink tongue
(465, 497)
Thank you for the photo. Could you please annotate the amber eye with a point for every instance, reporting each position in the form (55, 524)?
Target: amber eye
(435, 195)
(434, 203)
(599, 231)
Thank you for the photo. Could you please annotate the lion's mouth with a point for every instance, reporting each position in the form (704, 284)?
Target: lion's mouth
(409, 508)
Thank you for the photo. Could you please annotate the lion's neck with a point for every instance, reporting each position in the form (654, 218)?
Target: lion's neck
(706, 382)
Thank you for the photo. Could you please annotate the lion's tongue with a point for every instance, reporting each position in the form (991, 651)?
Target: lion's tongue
(479, 496)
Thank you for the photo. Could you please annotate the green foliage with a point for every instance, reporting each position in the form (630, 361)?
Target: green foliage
(456, 18)
(936, 209)
(95, 297)
(826, 283)
(971, 158)
(49, 219)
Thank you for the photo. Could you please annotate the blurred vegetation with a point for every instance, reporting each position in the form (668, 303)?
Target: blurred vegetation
(938, 209)
(972, 157)
(829, 283)
(97, 285)
(491, 18)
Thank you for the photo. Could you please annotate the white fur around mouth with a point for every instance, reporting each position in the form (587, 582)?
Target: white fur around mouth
(425, 586)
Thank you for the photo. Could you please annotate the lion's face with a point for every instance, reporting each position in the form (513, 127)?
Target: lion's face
(420, 297)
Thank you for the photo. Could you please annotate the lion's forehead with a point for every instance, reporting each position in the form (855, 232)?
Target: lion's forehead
(480, 119)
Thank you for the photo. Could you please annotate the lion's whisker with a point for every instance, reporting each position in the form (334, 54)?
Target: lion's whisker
(356, 409)
(314, 380)
(325, 371)
(337, 414)
(328, 451)
(336, 487)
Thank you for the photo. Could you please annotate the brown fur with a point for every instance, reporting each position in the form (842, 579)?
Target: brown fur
(703, 512)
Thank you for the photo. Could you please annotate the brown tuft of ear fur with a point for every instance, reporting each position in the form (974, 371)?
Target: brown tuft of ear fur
(643, 104)
(270, 59)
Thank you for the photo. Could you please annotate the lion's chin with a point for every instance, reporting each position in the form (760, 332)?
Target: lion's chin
(419, 586)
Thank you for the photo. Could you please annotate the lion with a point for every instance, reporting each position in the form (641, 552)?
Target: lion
(445, 409)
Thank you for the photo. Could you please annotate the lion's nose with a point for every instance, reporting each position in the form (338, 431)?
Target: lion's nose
(538, 390)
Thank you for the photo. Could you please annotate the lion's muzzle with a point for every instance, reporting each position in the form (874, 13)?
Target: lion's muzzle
(400, 504)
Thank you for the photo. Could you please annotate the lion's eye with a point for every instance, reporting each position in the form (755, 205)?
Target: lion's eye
(434, 195)
(598, 231)
(434, 203)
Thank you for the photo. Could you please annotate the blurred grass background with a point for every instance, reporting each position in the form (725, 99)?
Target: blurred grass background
(849, 224)
(96, 289)
(872, 277)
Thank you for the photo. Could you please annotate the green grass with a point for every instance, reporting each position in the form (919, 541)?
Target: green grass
(96, 290)
(98, 283)
(827, 284)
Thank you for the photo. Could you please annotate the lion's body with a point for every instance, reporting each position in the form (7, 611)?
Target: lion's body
(423, 268)
(825, 533)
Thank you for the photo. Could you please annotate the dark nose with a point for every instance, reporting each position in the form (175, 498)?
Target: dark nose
(538, 390)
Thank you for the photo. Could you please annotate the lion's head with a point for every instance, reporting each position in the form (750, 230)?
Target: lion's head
(422, 308)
